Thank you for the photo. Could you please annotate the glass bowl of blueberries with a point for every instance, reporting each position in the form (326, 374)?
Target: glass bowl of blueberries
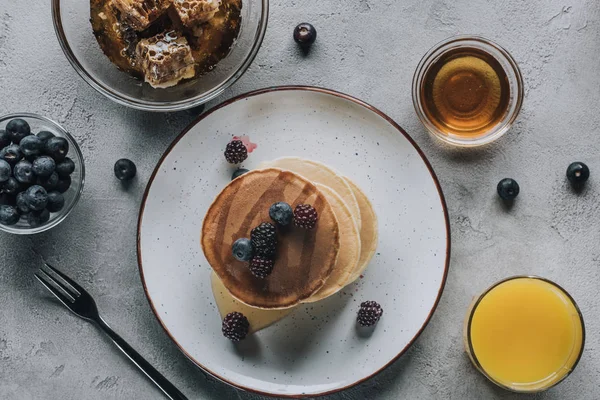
(41, 173)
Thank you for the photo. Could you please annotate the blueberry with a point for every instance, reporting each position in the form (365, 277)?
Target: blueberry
(63, 184)
(18, 129)
(238, 172)
(23, 172)
(578, 173)
(45, 135)
(8, 215)
(8, 200)
(36, 198)
(57, 148)
(65, 167)
(305, 34)
(125, 169)
(38, 218)
(242, 249)
(32, 145)
(22, 206)
(43, 166)
(11, 154)
(5, 171)
(50, 182)
(281, 213)
(11, 186)
(4, 139)
(508, 189)
(56, 201)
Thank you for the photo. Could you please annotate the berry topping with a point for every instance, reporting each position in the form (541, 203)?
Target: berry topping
(369, 313)
(235, 326)
(18, 129)
(238, 172)
(242, 249)
(578, 173)
(43, 166)
(508, 189)
(246, 140)
(236, 152)
(8, 215)
(305, 34)
(125, 169)
(281, 213)
(305, 216)
(261, 267)
(264, 240)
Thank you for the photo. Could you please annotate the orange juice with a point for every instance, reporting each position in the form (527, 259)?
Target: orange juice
(525, 334)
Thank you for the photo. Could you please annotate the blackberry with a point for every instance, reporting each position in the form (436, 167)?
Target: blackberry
(261, 267)
(305, 216)
(235, 326)
(236, 152)
(264, 240)
(369, 313)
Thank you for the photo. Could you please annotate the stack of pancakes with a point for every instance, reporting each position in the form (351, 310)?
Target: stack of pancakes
(311, 264)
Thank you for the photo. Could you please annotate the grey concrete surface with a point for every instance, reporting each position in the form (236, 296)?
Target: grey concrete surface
(367, 48)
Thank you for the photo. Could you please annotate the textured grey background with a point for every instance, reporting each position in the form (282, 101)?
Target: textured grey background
(367, 48)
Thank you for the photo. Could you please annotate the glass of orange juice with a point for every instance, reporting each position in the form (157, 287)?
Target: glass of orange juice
(525, 334)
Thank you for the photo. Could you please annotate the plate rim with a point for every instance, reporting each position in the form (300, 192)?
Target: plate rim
(300, 88)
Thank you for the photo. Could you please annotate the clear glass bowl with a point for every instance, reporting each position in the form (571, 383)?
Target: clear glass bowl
(39, 123)
(513, 75)
(74, 30)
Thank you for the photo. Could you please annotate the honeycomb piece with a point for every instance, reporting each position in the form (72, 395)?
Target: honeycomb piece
(140, 13)
(165, 59)
(195, 12)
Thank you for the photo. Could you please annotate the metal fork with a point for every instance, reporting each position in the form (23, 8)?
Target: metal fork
(76, 299)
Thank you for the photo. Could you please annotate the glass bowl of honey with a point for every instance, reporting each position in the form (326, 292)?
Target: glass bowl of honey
(467, 91)
(525, 334)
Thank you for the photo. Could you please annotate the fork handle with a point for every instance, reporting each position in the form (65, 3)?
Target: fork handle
(159, 380)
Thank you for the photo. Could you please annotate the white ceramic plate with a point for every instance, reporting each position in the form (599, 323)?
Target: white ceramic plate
(317, 350)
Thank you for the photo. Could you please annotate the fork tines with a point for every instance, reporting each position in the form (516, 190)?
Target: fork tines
(64, 288)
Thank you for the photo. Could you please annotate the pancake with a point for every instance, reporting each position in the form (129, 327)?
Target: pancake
(258, 318)
(349, 247)
(369, 234)
(305, 258)
(317, 172)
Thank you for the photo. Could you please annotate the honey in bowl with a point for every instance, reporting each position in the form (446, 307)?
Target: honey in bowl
(525, 334)
(465, 92)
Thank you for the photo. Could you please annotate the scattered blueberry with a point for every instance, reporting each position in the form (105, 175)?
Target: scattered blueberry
(4, 139)
(18, 129)
(281, 213)
(5, 171)
(57, 148)
(36, 198)
(508, 189)
(305, 34)
(23, 172)
(11, 186)
(578, 173)
(242, 249)
(45, 135)
(8, 215)
(65, 167)
(32, 146)
(38, 218)
(43, 166)
(49, 182)
(22, 206)
(63, 184)
(238, 172)
(11, 154)
(125, 169)
(56, 201)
